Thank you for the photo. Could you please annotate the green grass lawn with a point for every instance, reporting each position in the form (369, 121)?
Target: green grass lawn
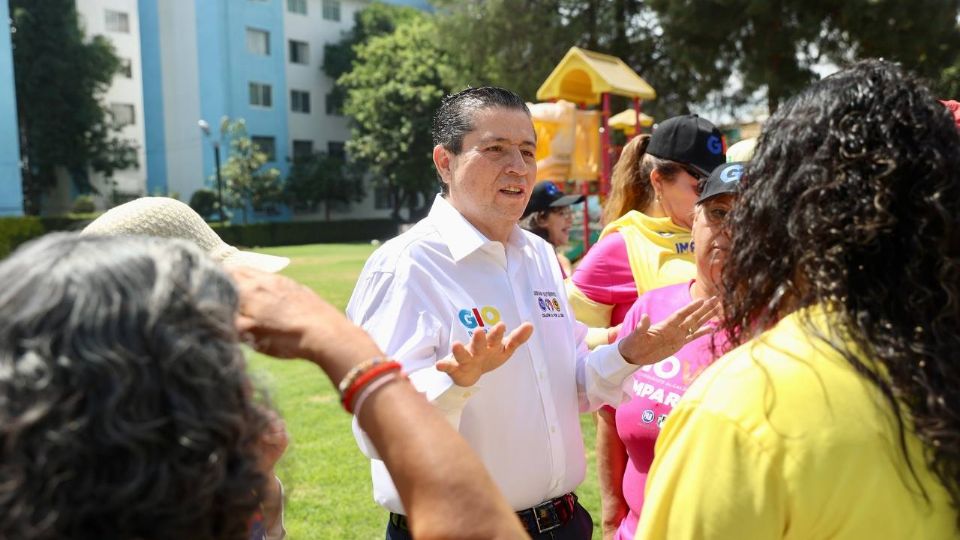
(327, 479)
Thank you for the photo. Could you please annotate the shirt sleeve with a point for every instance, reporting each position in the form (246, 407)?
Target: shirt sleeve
(604, 268)
(600, 373)
(400, 317)
(598, 284)
(711, 480)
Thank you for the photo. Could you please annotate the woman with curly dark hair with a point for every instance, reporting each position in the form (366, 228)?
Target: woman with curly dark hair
(838, 416)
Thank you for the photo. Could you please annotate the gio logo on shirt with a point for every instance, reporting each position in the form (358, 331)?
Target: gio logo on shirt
(472, 318)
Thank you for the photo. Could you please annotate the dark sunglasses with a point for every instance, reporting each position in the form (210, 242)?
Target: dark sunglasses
(698, 176)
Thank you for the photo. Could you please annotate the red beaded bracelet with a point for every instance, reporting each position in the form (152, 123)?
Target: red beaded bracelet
(366, 378)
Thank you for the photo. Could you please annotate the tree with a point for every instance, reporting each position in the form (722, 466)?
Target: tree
(204, 202)
(393, 89)
(247, 184)
(322, 178)
(60, 78)
(517, 43)
(775, 45)
(377, 19)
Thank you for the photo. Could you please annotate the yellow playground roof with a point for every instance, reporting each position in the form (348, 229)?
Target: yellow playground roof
(627, 120)
(582, 75)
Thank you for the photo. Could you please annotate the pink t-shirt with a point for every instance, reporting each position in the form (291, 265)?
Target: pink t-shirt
(655, 391)
(604, 276)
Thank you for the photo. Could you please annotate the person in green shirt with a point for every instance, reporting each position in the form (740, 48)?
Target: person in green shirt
(837, 415)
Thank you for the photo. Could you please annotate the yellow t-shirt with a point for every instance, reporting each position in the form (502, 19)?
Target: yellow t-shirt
(781, 438)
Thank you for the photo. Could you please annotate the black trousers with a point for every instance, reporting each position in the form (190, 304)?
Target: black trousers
(580, 527)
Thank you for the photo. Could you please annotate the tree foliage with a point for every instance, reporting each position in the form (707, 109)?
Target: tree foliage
(377, 19)
(247, 183)
(204, 202)
(60, 78)
(775, 46)
(322, 178)
(517, 43)
(395, 85)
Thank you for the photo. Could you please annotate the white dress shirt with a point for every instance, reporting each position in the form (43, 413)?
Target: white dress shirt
(442, 280)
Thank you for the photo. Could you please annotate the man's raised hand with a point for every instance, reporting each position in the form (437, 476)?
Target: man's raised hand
(485, 352)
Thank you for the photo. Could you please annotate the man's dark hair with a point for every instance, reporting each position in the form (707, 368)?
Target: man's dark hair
(454, 119)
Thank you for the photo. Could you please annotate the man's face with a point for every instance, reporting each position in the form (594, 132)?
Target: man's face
(491, 179)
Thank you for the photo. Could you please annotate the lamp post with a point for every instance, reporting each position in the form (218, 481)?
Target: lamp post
(205, 127)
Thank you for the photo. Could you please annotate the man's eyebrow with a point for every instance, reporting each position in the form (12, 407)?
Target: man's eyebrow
(487, 140)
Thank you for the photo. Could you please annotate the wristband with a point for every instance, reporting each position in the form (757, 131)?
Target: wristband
(356, 370)
(366, 378)
(373, 387)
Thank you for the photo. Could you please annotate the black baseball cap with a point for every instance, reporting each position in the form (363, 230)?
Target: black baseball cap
(723, 179)
(547, 195)
(689, 140)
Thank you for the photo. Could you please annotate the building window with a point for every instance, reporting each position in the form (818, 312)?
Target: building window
(331, 10)
(334, 103)
(258, 42)
(299, 52)
(299, 101)
(381, 198)
(337, 149)
(302, 149)
(123, 114)
(126, 68)
(261, 95)
(297, 6)
(267, 145)
(117, 21)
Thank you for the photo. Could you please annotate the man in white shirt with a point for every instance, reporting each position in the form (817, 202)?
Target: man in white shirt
(464, 274)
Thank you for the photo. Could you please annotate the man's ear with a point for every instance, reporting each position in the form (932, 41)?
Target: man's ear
(441, 160)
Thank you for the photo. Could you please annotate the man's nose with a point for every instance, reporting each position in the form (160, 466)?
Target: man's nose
(517, 165)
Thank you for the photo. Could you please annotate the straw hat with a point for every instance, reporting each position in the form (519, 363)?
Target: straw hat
(742, 151)
(170, 218)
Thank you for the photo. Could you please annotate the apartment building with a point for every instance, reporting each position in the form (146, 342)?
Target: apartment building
(11, 194)
(191, 60)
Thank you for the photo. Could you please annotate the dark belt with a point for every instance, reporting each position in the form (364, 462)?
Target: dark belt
(546, 516)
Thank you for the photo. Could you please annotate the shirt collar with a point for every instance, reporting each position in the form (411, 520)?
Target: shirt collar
(461, 237)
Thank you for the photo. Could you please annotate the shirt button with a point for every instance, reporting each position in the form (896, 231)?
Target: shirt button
(553, 429)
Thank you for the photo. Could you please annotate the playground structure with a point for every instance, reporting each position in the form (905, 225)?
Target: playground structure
(574, 142)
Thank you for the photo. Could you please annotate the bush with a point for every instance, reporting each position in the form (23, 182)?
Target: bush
(204, 202)
(83, 204)
(17, 230)
(292, 233)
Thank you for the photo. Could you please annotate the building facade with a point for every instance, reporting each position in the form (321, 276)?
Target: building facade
(188, 61)
(11, 194)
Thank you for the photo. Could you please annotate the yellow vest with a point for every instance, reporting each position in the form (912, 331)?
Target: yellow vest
(660, 252)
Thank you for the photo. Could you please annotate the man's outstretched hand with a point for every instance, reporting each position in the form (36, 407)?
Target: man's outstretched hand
(485, 352)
